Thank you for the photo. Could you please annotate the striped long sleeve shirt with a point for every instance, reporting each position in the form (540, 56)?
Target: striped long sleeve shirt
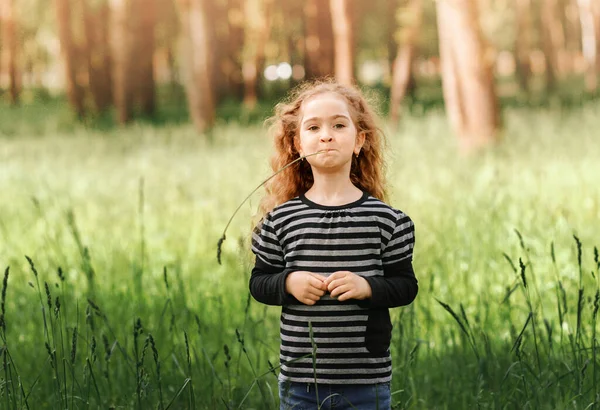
(366, 237)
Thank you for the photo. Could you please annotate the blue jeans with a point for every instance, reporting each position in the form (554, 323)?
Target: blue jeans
(303, 396)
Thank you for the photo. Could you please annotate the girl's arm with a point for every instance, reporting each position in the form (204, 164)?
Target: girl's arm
(397, 287)
(267, 285)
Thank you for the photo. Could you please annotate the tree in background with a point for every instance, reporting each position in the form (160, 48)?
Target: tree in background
(195, 23)
(122, 53)
(588, 41)
(218, 36)
(97, 52)
(75, 91)
(553, 42)
(402, 69)
(144, 51)
(343, 40)
(8, 21)
(235, 44)
(467, 78)
(523, 43)
(109, 49)
(257, 29)
(596, 9)
(167, 31)
(318, 39)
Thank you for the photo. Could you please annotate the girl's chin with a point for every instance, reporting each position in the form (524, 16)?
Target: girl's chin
(329, 165)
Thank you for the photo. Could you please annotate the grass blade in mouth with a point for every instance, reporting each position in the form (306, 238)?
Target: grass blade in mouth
(223, 237)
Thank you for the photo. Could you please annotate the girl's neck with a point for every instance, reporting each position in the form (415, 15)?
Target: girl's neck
(333, 191)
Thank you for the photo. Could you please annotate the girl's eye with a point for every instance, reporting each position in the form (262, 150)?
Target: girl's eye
(313, 128)
(339, 126)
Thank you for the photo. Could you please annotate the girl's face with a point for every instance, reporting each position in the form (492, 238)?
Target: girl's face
(326, 125)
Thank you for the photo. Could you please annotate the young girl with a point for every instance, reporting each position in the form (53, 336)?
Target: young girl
(331, 252)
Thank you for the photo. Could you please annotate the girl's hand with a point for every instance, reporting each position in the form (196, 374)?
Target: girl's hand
(305, 286)
(347, 285)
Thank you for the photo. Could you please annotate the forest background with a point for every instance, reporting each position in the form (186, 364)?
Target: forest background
(131, 130)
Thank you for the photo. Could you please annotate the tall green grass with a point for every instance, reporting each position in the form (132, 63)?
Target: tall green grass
(112, 295)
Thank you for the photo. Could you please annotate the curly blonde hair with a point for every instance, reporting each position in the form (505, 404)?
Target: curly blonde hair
(367, 171)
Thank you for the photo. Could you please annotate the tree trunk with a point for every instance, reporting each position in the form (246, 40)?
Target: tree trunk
(569, 11)
(121, 44)
(98, 53)
(596, 10)
(235, 46)
(403, 74)
(553, 42)
(196, 48)
(341, 16)
(318, 39)
(258, 22)
(75, 91)
(105, 70)
(326, 65)
(218, 11)
(523, 42)
(393, 27)
(468, 83)
(292, 42)
(145, 46)
(167, 34)
(9, 37)
(588, 42)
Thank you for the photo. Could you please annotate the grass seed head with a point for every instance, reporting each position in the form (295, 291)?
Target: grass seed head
(57, 306)
(95, 307)
(137, 328)
(89, 317)
(61, 275)
(154, 353)
(227, 356)
(523, 277)
(48, 296)
(74, 346)
(165, 277)
(31, 265)
(187, 350)
(107, 349)
(3, 300)
(521, 241)
(578, 243)
(93, 348)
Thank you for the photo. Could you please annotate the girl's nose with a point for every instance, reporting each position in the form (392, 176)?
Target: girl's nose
(326, 138)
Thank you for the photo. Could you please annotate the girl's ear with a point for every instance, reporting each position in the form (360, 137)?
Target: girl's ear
(360, 141)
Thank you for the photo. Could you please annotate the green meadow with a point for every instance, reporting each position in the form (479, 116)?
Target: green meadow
(113, 297)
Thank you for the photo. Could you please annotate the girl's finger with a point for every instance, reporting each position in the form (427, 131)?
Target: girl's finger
(317, 276)
(340, 289)
(336, 283)
(346, 295)
(316, 283)
(309, 302)
(318, 293)
(333, 276)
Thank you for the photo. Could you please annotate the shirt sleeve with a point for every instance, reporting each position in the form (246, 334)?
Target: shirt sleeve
(401, 243)
(398, 286)
(267, 281)
(266, 246)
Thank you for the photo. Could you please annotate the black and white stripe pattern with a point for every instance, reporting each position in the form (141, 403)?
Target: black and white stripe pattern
(362, 237)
